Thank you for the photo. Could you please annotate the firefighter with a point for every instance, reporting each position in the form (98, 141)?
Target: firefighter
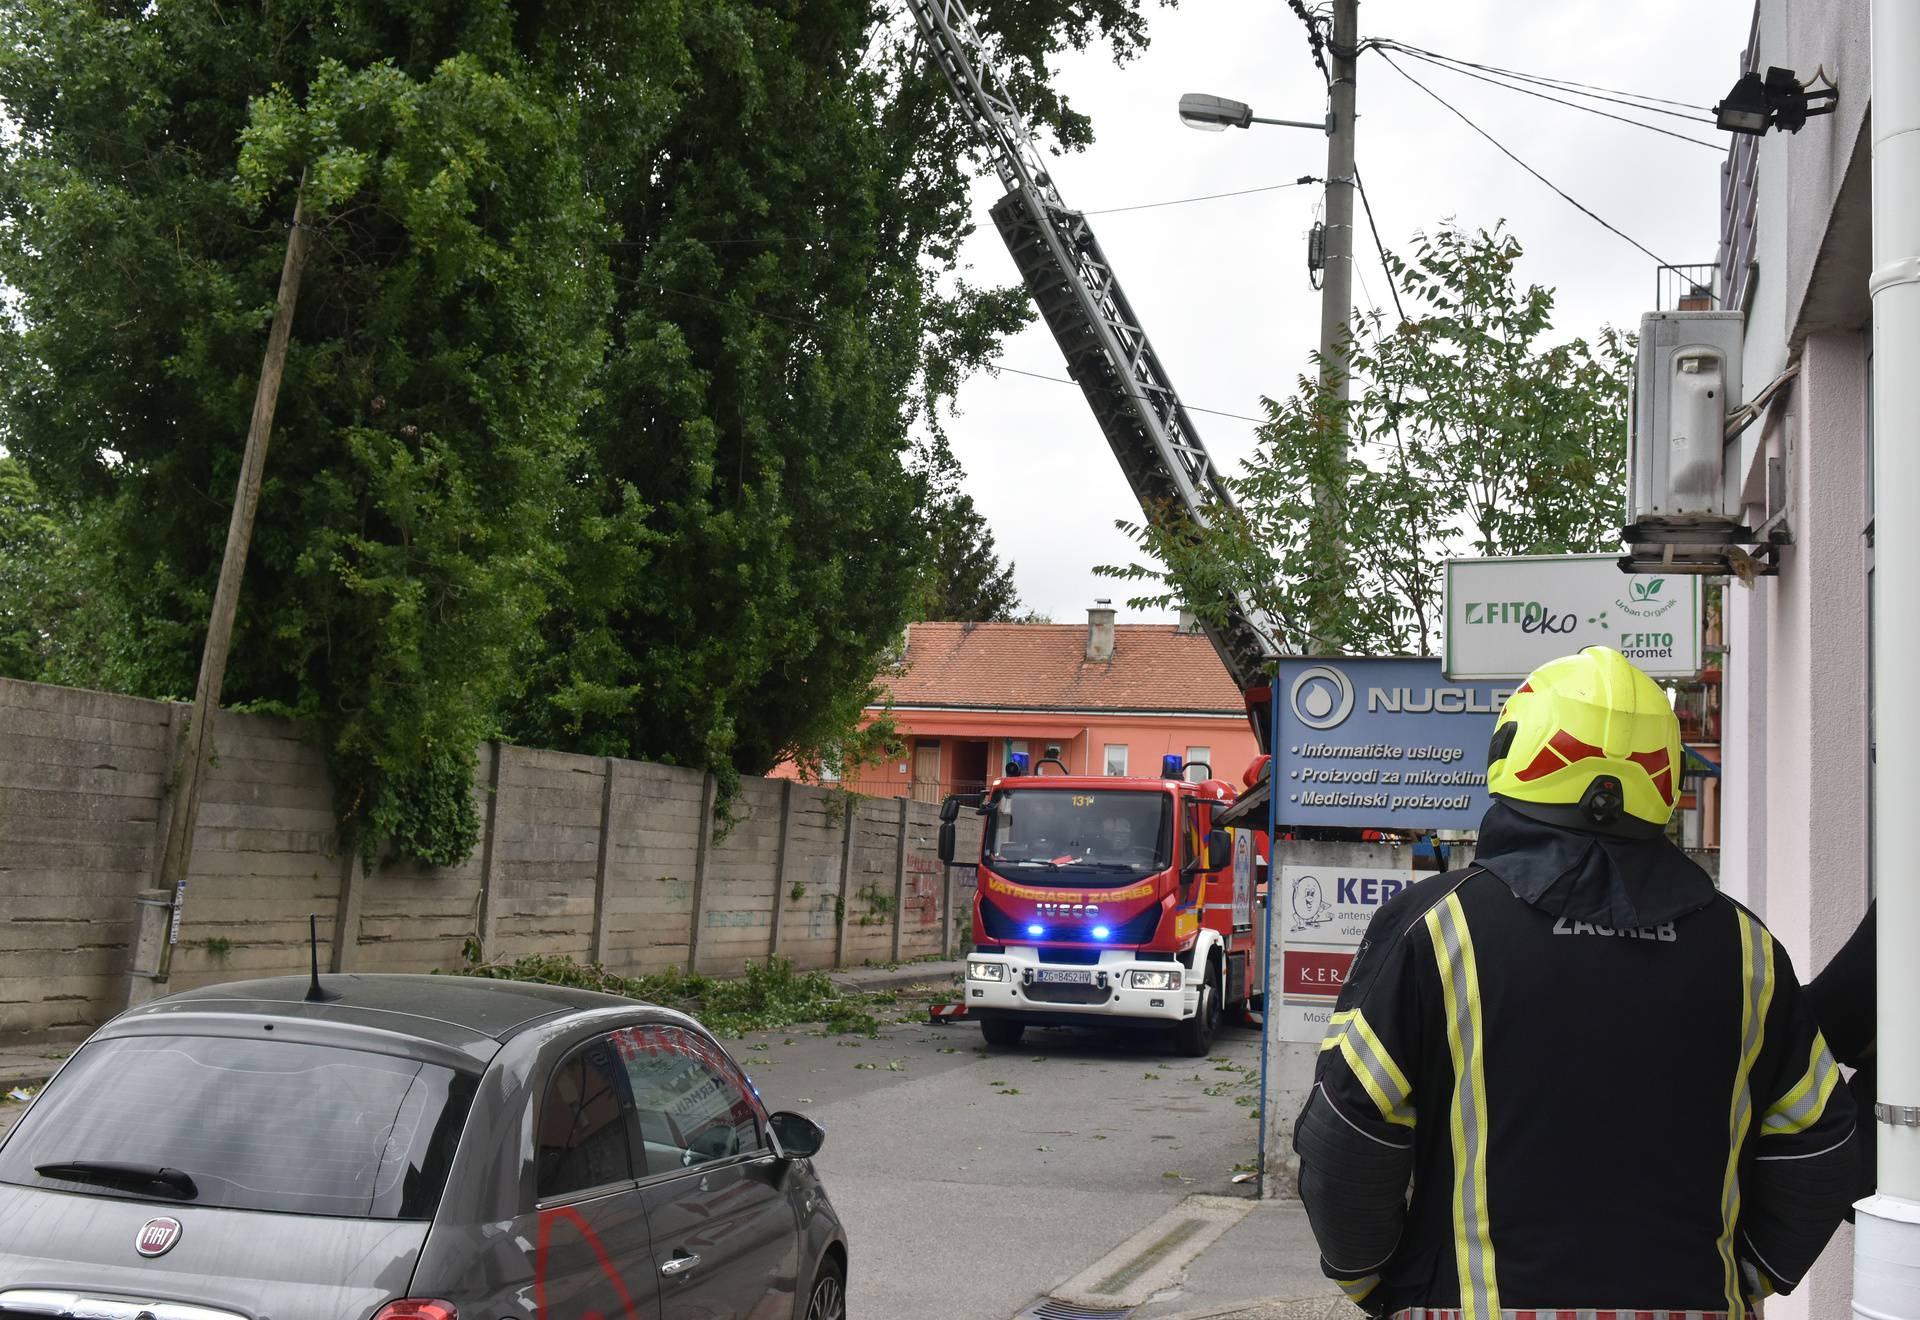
(1597, 1073)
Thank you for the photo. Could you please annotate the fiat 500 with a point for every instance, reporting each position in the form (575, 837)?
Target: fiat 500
(411, 1148)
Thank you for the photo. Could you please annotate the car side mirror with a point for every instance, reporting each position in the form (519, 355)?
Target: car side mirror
(1219, 850)
(948, 842)
(795, 1136)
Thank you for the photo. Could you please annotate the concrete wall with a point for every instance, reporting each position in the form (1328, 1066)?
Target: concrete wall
(591, 857)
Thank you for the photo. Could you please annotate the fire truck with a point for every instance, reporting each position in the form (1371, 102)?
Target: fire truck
(1108, 901)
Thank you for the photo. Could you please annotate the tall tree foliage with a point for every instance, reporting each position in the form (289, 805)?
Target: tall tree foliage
(966, 581)
(595, 422)
(1470, 431)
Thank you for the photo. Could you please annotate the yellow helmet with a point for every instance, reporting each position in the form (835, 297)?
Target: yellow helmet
(1585, 740)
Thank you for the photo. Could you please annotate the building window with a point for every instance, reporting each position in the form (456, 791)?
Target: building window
(1202, 754)
(1116, 758)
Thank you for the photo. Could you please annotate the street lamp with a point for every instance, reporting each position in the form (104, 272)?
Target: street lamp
(1217, 114)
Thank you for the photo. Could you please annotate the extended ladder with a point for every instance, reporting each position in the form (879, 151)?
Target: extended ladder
(1108, 354)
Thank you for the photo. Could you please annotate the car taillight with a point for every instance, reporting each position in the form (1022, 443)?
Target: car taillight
(417, 1308)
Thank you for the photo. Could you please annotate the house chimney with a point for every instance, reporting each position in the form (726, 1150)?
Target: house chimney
(1189, 622)
(1100, 632)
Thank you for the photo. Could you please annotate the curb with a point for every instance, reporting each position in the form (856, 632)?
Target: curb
(1320, 1306)
(864, 979)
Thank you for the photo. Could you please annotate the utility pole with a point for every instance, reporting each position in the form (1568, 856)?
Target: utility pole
(1336, 288)
(178, 859)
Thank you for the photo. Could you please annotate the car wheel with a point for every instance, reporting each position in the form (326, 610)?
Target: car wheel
(1002, 1033)
(829, 1299)
(1194, 1037)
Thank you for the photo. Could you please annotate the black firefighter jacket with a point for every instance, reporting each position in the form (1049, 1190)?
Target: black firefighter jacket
(1598, 1076)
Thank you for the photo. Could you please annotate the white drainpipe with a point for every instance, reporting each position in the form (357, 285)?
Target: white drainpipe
(1887, 1240)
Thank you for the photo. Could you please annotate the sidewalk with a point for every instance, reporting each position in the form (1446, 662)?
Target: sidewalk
(867, 980)
(30, 1065)
(1266, 1267)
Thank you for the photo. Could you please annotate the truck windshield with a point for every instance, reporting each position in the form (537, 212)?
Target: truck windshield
(1117, 834)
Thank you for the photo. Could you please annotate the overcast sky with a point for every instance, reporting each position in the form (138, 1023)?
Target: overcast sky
(1221, 285)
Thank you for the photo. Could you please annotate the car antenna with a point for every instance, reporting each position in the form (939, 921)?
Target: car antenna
(317, 993)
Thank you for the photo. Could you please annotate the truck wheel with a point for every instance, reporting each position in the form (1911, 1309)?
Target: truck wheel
(1001, 1033)
(1194, 1037)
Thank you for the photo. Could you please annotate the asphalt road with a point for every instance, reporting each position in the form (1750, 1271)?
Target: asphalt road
(972, 1182)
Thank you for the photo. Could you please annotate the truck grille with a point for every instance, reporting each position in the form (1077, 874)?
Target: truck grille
(1046, 992)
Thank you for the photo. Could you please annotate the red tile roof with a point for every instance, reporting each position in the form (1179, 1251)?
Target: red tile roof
(1044, 666)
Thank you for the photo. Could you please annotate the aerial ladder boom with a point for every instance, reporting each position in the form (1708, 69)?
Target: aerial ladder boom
(1108, 354)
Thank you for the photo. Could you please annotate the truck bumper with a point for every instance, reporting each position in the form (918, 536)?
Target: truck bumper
(1108, 993)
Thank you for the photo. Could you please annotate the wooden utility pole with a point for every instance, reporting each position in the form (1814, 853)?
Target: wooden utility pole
(178, 858)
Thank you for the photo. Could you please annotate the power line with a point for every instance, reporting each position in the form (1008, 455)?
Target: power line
(805, 324)
(1501, 147)
(1208, 197)
(831, 237)
(1599, 93)
(1393, 284)
(1590, 109)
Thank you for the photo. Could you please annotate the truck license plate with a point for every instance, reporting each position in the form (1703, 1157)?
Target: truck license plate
(1072, 975)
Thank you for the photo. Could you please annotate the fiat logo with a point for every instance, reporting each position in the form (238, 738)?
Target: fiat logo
(157, 1237)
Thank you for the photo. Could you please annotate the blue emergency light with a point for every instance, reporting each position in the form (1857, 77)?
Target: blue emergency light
(1019, 759)
(1101, 932)
(1170, 766)
(1036, 930)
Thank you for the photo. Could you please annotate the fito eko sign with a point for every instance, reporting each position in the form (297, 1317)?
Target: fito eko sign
(1507, 617)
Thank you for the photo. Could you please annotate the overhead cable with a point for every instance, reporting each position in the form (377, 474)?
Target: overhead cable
(1717, 147)
(1393, 284)
(806, 324)
(1207, 197)
(1703, 113)
(1585, 210)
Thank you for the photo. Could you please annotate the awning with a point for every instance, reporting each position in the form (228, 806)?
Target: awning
(1248, 812)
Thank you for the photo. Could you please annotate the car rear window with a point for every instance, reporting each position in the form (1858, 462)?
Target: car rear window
(257, 1124)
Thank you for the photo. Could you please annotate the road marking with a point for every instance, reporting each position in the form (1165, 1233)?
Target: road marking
(1153, 1258)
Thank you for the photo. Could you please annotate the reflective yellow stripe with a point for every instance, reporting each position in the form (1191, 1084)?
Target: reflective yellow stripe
(1466, 1042)
(1374, 1068)
(1756, 997)
(1357, 1289)
(1801, 1107)
(1336, 1028)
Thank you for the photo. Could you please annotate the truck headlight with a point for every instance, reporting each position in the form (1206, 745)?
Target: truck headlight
(986, 971)
(1140, 980)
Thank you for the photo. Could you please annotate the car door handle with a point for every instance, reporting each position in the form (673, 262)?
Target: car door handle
(679, 1265)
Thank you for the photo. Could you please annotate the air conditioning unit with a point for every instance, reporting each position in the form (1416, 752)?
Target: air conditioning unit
(1683, 505)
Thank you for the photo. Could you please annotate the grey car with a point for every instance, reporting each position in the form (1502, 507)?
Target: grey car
(415, 1148)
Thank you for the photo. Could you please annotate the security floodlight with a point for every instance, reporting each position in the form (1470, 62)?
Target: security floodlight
(1780, 100)
(1745, 109)
(1214, 114)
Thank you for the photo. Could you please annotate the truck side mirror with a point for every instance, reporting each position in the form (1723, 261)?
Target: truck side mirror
(1219, 849)
(950, 807)
(947, 832)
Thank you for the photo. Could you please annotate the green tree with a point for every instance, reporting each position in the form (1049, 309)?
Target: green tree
(750, 532)
(594, 428)
(1470, 431)
(39, 584)
(450, 323)
(966, 582)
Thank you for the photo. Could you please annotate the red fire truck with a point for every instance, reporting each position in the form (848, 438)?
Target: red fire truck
(1106, 900)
